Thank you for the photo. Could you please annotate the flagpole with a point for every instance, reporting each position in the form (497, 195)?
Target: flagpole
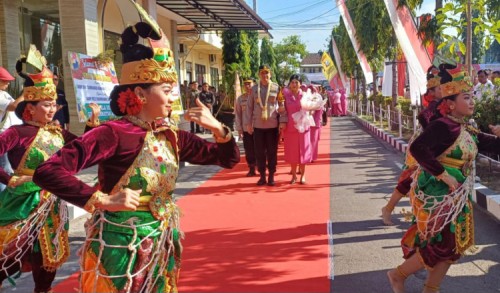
(468, 48)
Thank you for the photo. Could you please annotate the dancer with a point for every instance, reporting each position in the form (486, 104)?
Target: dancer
(262, 117)
(433, 96)
(443, 227)
(33, 222)
(240, 108)
(133, 237)
(295, 123)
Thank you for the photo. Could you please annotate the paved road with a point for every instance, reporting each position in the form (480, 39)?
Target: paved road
(363, 175)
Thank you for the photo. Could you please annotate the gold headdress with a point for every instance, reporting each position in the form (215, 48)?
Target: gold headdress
(43, 87)
(160, 68)
(460, 83)
(433, 82)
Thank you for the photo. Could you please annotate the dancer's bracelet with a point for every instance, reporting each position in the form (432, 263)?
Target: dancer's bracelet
(12, 181)
(441, 176)
(227, 137)
(94, 201)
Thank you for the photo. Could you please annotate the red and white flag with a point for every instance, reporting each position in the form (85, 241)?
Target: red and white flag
(338, 60)
(351, 30)
(411, 45)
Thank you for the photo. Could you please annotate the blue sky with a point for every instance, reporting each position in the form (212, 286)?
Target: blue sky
(312, 20)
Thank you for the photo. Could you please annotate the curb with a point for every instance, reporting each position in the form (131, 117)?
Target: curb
(483, 196)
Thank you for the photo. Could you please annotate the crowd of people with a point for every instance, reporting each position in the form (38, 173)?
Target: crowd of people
(265, 115)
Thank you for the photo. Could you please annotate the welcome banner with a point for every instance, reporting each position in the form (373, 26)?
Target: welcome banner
(416, 55)
(351, 30)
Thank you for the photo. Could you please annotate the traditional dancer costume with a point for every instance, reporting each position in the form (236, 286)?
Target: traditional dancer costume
(33, 222)
(443, 224)
(133, 251)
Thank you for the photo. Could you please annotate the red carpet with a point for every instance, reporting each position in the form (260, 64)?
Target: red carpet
(244, 238)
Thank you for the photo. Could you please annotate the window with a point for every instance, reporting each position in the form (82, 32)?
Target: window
(214, 77)
(189, 72)
(200, 73)
(43, 30)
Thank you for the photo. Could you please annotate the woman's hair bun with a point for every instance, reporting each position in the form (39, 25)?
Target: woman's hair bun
(443, 72)
(19, 69)
(131, 50)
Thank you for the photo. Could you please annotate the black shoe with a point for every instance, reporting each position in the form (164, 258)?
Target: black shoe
(270, 180)
(262, 181)
(251, 172)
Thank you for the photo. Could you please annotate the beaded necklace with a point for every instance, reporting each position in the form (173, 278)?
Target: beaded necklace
(264, 114)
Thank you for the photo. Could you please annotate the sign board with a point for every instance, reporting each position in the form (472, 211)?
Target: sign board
(93, 82)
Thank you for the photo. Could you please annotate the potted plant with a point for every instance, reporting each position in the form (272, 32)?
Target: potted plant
(232, 90)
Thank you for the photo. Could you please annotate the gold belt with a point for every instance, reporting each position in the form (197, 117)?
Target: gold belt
(24, 172)
(453, 163)
(144, 203)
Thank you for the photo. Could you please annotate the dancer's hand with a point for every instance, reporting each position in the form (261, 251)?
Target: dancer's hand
(203, 116)
(124, 200)
(495, 130)
(450, 181)
(96, 110)
(16, 181)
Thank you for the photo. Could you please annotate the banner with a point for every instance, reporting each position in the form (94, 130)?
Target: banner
(338, 60)
(351, 30)
(93, 82)
(387, 81)
(329, 69)
(415, 53)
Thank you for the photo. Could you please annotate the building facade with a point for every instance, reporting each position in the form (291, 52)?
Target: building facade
(94, 26)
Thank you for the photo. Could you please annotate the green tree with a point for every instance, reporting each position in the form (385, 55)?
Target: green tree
(267, 56)
(236, 58)
(288, 53)
(374, 26)
(253, 39)
(485, 22)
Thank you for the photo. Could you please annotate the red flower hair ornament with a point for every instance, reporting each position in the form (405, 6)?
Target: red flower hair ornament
(444, 108)
(27, 115)
(129, 102)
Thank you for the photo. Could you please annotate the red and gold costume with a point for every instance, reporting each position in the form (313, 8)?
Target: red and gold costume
(443, 223)
(133, 251)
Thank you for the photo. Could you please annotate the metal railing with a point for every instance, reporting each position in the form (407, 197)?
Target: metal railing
(386, 118)
(405, 126)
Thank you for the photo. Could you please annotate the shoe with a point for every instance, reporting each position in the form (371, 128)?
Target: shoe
(270, 180)
(262, 180)
(251, 172)
(294, 179)
(302, 180)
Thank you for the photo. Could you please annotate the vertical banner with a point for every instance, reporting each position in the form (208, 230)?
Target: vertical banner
(93, 82)
(387, 81)
(351, 30)
(407, 34)
(329, 69)
(338, 60)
